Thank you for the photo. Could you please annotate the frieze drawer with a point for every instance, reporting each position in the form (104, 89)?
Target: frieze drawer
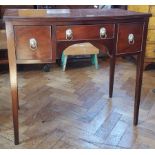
(84, 32)
(33, 42)
(129, 38)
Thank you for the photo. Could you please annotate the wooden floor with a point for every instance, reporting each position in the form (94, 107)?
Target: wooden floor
(72, 110)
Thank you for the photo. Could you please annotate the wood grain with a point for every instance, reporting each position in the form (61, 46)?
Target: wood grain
(42, 34)
(124, 30)
(84, 32)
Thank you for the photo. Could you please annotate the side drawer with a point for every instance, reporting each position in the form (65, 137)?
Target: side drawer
(33, 42)
(129, 37)
(84, 32)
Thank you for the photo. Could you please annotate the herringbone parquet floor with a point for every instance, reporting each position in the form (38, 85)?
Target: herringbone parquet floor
(72, 110)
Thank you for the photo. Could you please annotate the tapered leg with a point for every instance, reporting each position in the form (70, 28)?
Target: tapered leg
(14, 93)
(13, 78)
(65, 62)
(96, 61)
(15, 106)
(139, 76)
(18, 97)
(112, 72)
(92, 59)
(62, 59)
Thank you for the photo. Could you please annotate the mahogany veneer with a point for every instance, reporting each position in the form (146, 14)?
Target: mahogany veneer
(87, 32)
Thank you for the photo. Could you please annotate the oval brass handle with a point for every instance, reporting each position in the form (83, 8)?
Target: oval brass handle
(69, 34)
(103, 33)
(131, 39)
(33, 44)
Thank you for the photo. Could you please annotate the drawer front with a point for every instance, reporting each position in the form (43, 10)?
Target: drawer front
(33, 42)
(151, 35)
(150, 51)
(85, 32)
(129, 37)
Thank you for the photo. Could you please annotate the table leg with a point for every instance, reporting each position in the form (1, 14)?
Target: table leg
(13, 78)
(139, 76)
(111, 77)
(15, 105)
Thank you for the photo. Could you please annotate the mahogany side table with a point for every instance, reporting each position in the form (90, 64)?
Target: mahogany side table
(39, 36)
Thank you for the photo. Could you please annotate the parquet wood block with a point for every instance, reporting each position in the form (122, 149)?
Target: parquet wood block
(72, 110)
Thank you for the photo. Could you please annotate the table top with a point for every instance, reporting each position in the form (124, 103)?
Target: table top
(69, 14)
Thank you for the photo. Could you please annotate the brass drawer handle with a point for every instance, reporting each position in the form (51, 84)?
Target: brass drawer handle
(69, 34)
(103, 33)
(131, 39)
(33, 44)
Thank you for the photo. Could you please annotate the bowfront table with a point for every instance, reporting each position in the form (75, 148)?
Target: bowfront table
(39, 36)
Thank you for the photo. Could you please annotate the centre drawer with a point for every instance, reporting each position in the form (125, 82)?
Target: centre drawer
(33, 42)
(84, 32)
